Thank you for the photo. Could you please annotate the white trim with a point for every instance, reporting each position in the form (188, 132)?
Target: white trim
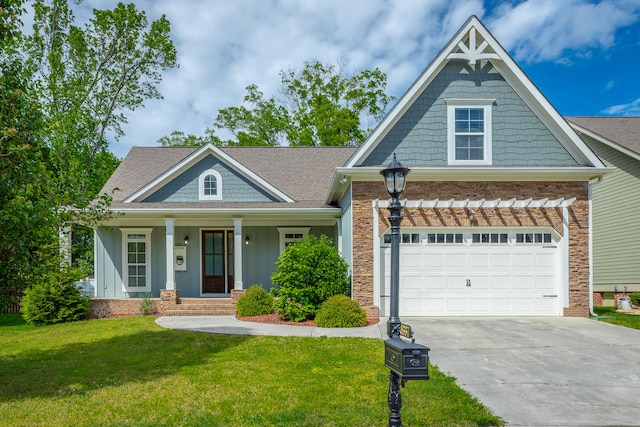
(237, 253)
(291, 230)
(201, 178)
(480, 203)
(487, 141)
(170, 243)
(378, 274)
(125, 259)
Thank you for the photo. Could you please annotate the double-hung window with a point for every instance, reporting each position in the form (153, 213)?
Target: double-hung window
(136, 259)
(469, 131)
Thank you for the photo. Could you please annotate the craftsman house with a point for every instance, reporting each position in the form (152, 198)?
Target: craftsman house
(496, 219)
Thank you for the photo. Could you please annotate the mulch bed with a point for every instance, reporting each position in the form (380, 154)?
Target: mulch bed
(274, 319)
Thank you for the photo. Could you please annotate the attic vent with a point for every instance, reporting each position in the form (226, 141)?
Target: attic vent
(473, 48)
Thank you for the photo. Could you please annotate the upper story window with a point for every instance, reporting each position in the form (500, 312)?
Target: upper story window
(469, 131)
(210, 185)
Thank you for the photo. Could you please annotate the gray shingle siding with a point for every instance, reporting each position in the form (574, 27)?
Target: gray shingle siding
(519, 137)
(235, 187)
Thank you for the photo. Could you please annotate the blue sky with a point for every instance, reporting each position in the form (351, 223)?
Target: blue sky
(583, 55)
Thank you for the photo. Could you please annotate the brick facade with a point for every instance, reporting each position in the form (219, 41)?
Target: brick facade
(364, 192)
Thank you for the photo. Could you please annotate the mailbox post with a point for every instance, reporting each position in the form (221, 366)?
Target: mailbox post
(405, 360)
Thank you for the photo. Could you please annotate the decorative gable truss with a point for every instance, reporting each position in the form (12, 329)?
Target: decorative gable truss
(473, 48)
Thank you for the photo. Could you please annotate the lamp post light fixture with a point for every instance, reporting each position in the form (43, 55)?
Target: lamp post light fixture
(395, 179)
(406, 360)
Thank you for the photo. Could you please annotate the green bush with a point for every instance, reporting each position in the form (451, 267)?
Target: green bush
(307, 273)
(147, 307)
(55, 299)
(340, 311)
(635, 298)
(255, 302)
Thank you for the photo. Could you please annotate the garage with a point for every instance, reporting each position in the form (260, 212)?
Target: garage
(502, 273)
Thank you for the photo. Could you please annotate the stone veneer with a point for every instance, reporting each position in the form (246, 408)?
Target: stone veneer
(364, 192)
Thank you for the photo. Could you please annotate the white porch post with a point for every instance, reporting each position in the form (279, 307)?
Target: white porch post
(237, 257)
(565, 257)
(171, 282)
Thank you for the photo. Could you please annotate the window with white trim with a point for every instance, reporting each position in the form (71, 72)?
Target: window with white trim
(210, 185)
(289, 235)
(469, 132)
(136, 259)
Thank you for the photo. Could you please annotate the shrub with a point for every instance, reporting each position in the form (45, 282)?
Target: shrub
(635, 298)
(255, 302)
(55, 299)
(147, 307)
(307, 273)
(340, 311)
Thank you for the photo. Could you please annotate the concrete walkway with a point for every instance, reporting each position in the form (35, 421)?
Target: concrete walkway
(529, 371)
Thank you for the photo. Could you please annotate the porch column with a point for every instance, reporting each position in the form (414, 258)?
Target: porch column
(237, 257)
(171, 281)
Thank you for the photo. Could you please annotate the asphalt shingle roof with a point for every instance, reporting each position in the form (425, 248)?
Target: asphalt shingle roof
(303, 173)
(624, 131)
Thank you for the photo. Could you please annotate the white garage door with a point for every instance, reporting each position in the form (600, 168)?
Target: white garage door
(479, 274)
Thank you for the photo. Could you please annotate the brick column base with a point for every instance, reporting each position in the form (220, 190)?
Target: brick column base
(168, 298)
(237, 293)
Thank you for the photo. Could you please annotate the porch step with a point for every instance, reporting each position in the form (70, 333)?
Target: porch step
(202, 307)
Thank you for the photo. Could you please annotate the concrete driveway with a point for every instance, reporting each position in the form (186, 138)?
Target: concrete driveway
(540, 371)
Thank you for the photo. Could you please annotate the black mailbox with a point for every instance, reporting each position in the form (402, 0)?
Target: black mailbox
(407, 359)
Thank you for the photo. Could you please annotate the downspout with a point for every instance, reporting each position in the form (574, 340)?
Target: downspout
(591, 184)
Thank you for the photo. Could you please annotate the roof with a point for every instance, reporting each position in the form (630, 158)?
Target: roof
(623, 132)
(474, 42)
(302, 173)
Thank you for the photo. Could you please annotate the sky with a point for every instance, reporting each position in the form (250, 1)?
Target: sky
(583, 55)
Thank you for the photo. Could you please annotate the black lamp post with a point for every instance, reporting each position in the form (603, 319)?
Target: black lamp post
(394, 180)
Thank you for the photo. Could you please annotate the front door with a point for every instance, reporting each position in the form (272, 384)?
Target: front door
(217, 261)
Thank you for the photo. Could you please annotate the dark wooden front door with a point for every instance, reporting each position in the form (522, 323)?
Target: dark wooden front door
(217, 261)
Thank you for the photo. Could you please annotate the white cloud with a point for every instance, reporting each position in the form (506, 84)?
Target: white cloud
(224, 46)
(552, 30)
(631, 109)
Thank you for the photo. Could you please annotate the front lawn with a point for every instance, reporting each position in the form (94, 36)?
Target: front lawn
(610, 316)
(132, 372)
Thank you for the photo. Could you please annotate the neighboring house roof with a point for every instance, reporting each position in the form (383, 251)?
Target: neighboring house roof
(620, 133)
(300, 175)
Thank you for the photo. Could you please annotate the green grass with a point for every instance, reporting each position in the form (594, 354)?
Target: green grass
(121, 372)
(622, 319)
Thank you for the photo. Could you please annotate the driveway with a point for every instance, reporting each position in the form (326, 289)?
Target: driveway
(540, 371)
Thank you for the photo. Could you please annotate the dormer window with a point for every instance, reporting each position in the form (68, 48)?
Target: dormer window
(210, 185)
(469, 131)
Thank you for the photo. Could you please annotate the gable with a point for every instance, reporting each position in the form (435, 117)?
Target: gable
(473, 65)
(419, 137)
(182, 183)
(186, 186)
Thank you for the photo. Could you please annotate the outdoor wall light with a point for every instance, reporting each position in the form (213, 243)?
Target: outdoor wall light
(246, 240)
(186, 240)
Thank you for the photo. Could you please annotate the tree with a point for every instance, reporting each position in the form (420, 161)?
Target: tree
(27, 200)
(320, 106)
(87, 80)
